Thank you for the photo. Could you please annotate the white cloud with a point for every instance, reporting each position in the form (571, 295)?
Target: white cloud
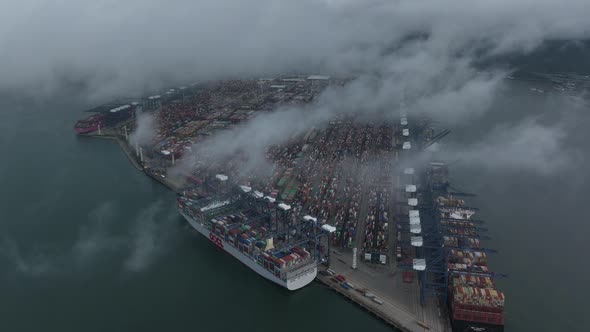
(527, 146)
(118, 47)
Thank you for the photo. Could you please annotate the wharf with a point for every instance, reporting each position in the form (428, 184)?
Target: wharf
(400, 309)
(124, 146)
(169, 182)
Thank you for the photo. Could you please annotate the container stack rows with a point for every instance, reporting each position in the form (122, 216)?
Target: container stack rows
(330, 174)
(376, 227)
(340, 174)
(186, 116)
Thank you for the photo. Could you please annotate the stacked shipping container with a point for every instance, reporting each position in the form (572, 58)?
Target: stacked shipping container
(473, 294)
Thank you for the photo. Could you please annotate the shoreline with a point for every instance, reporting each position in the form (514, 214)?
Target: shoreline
(133, 159)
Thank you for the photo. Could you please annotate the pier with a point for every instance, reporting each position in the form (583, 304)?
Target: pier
(174, 184)
(400, 308)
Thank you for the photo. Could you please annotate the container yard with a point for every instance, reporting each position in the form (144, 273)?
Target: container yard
(341, 198)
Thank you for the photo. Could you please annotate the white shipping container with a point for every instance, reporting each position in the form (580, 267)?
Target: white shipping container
(377, 300)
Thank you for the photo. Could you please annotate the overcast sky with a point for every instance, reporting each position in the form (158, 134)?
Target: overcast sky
(124, 46)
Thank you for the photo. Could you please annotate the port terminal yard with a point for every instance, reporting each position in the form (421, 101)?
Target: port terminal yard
(362, 201)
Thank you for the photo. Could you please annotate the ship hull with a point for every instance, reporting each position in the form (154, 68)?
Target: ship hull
(302, 279)
(86, 130)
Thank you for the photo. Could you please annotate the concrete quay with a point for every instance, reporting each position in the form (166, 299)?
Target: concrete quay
(171, 183)
(400, 308)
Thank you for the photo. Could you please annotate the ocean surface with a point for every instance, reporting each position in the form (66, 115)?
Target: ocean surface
(88, 243)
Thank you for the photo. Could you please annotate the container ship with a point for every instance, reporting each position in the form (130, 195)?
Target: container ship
(252, 240)
(106, 115)
(90, 124)
(474, 301)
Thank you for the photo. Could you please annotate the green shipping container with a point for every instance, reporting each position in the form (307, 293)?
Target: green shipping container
(282, 181)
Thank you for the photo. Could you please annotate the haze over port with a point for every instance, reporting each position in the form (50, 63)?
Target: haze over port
(84, 233)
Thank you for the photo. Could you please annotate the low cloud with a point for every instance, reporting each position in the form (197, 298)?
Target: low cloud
(94, 237)
(367, 98)
(542, 134)
(528, 146)
(149, 238)
(37, 263)
(145, 129)
(111, 48)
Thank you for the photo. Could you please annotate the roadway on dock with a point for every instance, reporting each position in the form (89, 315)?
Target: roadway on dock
(401, 306)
